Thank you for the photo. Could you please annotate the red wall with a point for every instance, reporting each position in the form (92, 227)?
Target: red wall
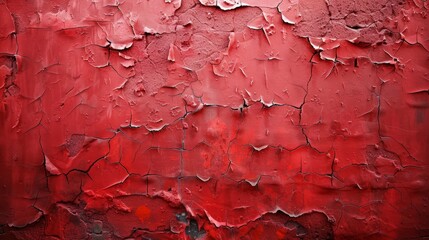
(227, 119)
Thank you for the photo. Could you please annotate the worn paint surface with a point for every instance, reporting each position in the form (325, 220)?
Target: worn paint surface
(214, 119)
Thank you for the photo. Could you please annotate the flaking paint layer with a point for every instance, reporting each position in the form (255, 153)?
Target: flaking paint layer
(214, 119)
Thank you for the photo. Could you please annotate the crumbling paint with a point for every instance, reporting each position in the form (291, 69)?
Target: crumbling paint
(222, 119)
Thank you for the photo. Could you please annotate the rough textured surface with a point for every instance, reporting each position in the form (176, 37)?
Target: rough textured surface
(214, 119)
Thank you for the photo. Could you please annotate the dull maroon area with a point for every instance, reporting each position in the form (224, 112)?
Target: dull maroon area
(214, 119)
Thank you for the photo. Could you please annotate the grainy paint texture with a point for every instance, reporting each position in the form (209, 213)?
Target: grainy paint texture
(214, 119)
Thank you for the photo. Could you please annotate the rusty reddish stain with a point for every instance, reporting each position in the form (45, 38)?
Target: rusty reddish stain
(214, 119)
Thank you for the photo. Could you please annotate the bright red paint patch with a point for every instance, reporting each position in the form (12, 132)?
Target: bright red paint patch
(143, 213)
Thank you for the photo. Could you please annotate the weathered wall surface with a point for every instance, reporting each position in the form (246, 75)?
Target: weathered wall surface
(214, 119)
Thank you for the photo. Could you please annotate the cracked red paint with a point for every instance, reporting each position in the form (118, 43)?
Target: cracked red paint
(214, 119)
